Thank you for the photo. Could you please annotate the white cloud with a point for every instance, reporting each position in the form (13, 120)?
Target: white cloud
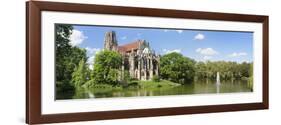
(91, 67)
(90, 61)
(124, 37)
(166, 51)
(235, 54)
(207, 57)
(198, 50)
(179, 31)
(77, 37)
(92, 50)
(246, 61)
(199, 36)
(207, 51)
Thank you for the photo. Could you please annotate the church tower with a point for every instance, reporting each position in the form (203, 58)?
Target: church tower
(110, 41)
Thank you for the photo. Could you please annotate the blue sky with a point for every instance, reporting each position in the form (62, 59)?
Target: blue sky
(200, 45)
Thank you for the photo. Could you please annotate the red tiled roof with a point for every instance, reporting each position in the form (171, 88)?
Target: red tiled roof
(129, 46)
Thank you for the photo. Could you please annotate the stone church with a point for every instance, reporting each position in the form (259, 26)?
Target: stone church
(137, 57)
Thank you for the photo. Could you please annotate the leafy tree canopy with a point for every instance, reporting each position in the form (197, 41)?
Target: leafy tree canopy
(228, 70)
(80, 74)
(67, 57)
(177, 68)
(106, 66)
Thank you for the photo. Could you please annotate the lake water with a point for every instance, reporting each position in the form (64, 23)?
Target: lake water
(203, 87)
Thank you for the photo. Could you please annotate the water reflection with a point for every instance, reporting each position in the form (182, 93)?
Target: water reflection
(199, 87)
(218, 82)
(218, 88)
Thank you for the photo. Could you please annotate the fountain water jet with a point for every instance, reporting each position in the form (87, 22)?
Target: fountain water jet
(218, 78)
(218, 82)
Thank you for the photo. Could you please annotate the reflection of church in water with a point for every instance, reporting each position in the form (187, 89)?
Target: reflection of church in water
(138, 58)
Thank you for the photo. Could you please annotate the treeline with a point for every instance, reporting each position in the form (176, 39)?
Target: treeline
(227, 70)
(177, 68)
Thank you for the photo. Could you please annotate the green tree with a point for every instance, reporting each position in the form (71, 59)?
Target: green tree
(245, 69)
(228, 70)
(63, 50)
(251, 79)
(67, 58)
(113, 76)
(127, 76)
(201, 70)
(177, 68)
(80, 74)
(106, 66)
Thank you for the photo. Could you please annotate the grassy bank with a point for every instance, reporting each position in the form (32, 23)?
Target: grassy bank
(136, 84)
(152, 84)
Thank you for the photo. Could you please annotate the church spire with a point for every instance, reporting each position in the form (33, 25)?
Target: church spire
(110, 41)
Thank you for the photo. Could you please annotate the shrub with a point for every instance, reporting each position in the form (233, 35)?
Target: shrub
(155, 79)
(127, 76)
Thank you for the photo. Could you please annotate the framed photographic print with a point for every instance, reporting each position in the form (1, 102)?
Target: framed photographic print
(94, 62)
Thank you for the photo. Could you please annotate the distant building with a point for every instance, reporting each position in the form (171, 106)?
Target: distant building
(138, 58)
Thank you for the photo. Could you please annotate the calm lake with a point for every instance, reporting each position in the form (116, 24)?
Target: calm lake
(193, 88)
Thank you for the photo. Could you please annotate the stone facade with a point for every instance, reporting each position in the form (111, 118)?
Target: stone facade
(110, 41)
(138, 58)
